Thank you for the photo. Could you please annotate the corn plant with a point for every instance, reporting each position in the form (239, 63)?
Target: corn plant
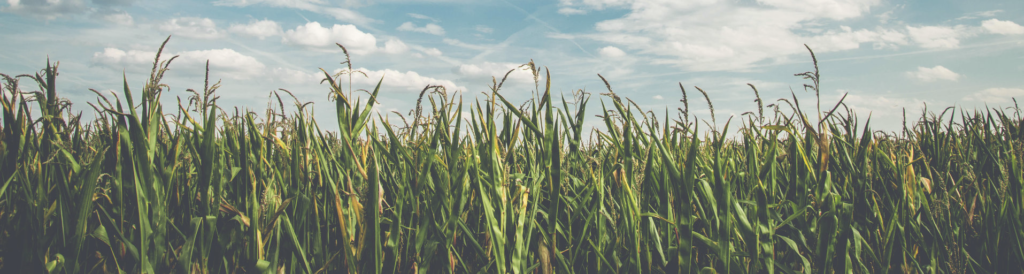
(495, 186)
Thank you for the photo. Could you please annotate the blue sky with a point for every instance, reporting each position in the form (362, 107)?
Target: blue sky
(887, 55)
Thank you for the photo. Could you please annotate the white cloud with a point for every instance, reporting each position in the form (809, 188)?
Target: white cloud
(317, 6)
(617, 72)
(357, 42)
(422, 17)
(707, 35)
(984, 14)
(560, 35)
(1002, 27)
(115, 17)
(291, 76)
(484, 29)
(46, 9)
(457, 43)
(405, 81)
(933, 74)
(227, 59)
(482, 72)
(394, 46)
(231, 63)
(314, 35)
(884, 17)
(995, 95)
(429, 28)
(890, 38)
(116, 58)
(113, 2)
(259, 29)
(847, 39)
(833, 9)
(571, 11)
(879, 106)
(346, 15)
(593, 4)
(658, 97)
(937, 36)
(432, 51)
(989, 13)
(611, 52)
(279, 3)
(192, 27)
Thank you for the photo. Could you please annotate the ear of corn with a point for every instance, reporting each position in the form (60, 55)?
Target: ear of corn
(503, 189)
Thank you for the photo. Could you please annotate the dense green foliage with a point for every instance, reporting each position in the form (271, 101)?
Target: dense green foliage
(499, 188)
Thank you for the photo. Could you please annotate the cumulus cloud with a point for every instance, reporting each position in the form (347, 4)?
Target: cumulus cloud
(933, 74)
(1002, 27)
(833, 9)
(484, 29)
(192, 27)
(995, 95)
(428, 28)
(482, 72)
(231, 63)
(611, 52)
(394, 46)
(259, 29)
(658, 97)
(314, 35)
(706, 35)
(117, 58)
(224, 59)
(45, 9)
(940, 37)
(406, 81)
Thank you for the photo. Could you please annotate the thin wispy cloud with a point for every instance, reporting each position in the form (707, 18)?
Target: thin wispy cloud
(483, 29)
(423, 17)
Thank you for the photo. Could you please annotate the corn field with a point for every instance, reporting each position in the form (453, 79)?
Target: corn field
(494, 186)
